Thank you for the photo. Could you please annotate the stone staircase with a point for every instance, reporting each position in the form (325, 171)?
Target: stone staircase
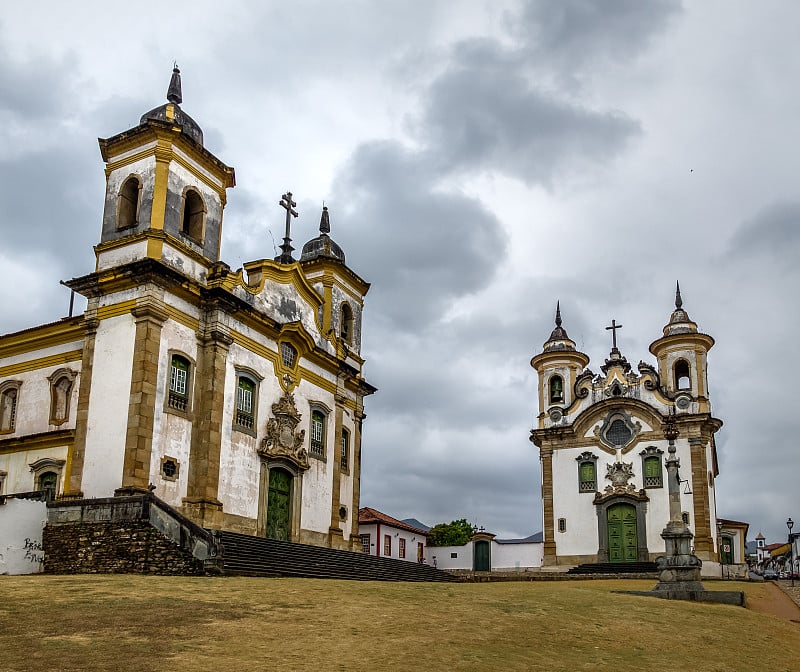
(257, 556)
(615, 568)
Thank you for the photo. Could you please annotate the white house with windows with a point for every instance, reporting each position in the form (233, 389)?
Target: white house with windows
(386, 537)
(237, 396)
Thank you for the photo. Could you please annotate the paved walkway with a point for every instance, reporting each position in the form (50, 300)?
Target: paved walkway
(778, 601)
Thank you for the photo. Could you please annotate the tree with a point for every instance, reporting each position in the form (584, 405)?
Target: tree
(455, 533)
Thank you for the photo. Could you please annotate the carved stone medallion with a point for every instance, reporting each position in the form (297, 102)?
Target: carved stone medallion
(619, 473)
(283, 439)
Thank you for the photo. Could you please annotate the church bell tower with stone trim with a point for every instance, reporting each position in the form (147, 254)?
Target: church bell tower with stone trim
(165, 192)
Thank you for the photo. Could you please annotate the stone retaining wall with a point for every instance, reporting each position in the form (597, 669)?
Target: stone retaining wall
(114, 547)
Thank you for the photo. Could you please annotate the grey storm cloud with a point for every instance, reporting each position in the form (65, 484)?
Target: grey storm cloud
(406, 236)
(575, 33)
(492, 119)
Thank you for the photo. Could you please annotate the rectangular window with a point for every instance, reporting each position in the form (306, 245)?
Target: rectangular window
(288, 355)
(652, 472)
(345, 450)
(402, 548)
(178, 397)
(453, 556)
(562, 524)
(365, 544)
(387, 545)
(317, 442)
(588, 480)
(245, 403)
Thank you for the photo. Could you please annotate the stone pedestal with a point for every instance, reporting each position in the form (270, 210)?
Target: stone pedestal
(679, 570)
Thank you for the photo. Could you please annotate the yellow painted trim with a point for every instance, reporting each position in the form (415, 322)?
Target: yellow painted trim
(155, 247)
(181, 318)
(128, 160)
(163, 156)
(282, 274)
(115, 309)
(39, 338)
(41, 363)
(44, 441)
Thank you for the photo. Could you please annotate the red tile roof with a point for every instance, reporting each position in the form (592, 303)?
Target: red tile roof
(367, 515)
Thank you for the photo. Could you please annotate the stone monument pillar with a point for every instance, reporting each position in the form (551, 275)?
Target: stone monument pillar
(679, 569)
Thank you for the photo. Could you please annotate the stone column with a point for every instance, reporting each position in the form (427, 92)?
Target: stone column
(335, 532)
(703, 542)
(73, 478)
(546, 459)
(201, 502)
(355, 470)
(149, 316)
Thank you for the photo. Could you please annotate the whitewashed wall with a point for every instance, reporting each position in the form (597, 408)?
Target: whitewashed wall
(108, 406)
(504, 557)
(21, 524)
(395, 533)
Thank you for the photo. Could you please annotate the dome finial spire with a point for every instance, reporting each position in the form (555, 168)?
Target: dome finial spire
(174, 91)
(558, 313)
(324, 220)
(678, 299)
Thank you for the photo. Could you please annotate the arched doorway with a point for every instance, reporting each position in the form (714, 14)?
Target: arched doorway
(622, 534)
(279, 501)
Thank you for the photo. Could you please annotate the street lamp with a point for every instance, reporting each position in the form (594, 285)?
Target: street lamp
(719, 546)
(790, 525)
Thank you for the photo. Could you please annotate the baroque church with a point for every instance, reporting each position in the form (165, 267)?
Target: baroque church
(602, 447)
(236, 396)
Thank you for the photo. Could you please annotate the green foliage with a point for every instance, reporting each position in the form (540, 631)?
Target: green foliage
(455, 533)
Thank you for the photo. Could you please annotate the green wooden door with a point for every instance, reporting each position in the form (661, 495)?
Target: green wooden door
(483, 561)
(727, 550)
(622, 537)
(278, 500)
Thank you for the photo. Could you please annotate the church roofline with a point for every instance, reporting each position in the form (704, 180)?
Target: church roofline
(692, 336)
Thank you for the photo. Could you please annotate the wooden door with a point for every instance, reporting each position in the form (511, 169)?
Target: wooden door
(483, 560)
(622, 536)
(278, 505)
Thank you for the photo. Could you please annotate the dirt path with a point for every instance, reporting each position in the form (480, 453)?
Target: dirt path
(775, 602)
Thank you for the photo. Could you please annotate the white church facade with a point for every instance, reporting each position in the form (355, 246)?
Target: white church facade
(602, 448)
(237, 397)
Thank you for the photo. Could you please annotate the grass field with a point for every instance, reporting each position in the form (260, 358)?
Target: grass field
(143, 623)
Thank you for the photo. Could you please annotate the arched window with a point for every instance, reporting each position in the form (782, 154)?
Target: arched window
(178, 397)
(48, 482)
(61, 383)
(128, 207)
(8, 407)
(245, 402)
(556, 389)
(345, 451)
(317, 442)
(193, 214)
(683, 380)
(347, 323)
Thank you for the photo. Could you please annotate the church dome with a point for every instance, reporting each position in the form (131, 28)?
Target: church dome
(171, 112)
(323, 245)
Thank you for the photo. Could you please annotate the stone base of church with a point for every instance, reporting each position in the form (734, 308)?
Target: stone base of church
(205, 512)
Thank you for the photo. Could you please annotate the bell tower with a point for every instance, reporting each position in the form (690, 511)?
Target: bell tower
(682, 354)
(558, 366)
(165, 192)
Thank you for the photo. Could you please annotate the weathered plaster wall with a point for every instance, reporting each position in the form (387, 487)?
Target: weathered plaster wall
(21, 524)
(144, 169)
(20, 477)
(108, 406)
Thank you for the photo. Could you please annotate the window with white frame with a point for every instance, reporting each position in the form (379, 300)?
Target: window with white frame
(317, 436)
(245, 402)
(179, 379)
(365, 544)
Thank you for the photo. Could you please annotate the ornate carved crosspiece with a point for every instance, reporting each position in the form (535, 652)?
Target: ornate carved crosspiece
(283, 439)
(619, 473)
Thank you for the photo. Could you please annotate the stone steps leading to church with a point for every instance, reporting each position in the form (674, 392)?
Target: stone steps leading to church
(258, 556)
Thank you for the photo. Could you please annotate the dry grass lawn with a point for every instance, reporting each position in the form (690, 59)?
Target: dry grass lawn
(232, 624)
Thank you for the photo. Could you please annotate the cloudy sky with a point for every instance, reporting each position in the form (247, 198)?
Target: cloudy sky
(480, 160)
